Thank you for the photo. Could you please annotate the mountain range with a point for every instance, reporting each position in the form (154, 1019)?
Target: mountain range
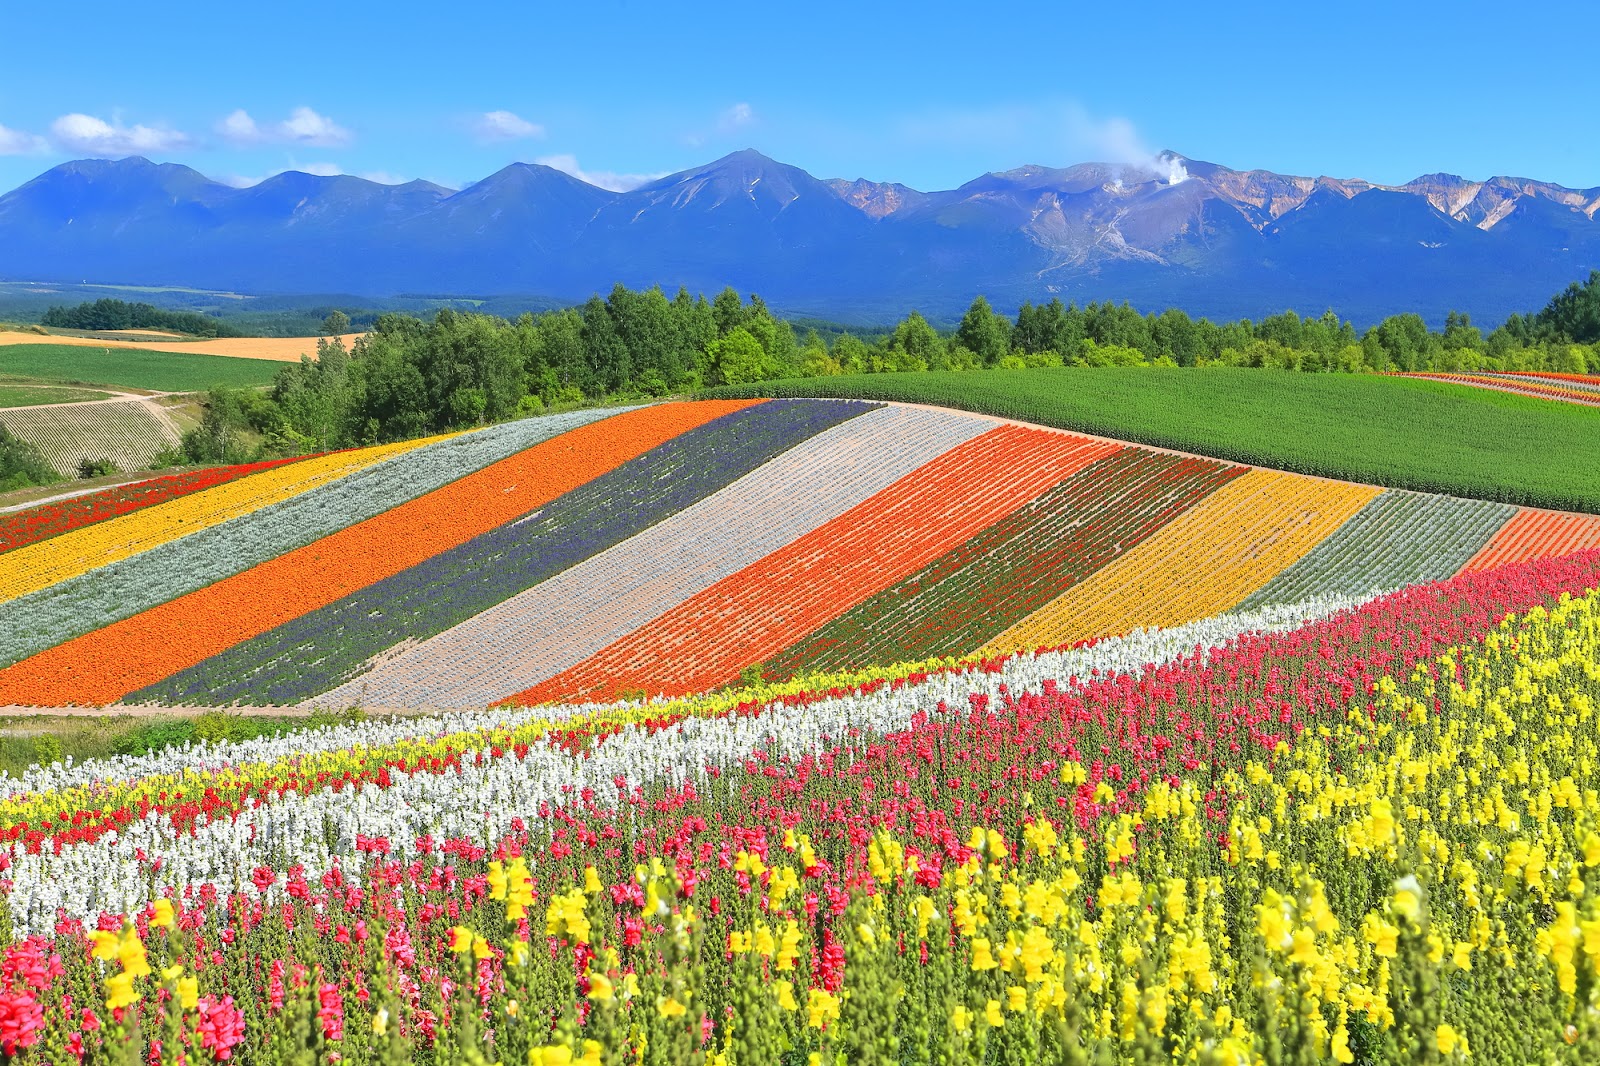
(1173, 232)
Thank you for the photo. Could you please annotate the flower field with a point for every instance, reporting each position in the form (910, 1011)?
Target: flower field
(39, 523)
(1357, 830)
(1060, 750)
(672, 549)
(1569, 388)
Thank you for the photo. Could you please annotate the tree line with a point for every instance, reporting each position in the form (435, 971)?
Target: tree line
(110, 314)
(408, 376)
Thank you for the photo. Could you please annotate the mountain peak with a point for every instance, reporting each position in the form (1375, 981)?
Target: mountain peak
(746, 155)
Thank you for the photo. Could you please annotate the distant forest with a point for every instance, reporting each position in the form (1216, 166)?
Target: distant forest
(118, 314)
(409, 376)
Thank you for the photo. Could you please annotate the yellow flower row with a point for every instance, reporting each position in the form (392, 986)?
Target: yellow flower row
(1206, 560)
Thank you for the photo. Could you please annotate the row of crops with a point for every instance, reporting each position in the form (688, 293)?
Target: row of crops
(127, 433)
(679, 547)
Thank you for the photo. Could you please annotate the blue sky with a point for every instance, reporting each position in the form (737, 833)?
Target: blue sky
(616, 90)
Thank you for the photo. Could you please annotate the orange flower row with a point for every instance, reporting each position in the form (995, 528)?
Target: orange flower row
(104, 666)
(756, 613)
(1534, 534)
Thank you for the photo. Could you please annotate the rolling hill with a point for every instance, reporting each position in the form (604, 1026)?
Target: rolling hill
(1176, 232)
(671, 549)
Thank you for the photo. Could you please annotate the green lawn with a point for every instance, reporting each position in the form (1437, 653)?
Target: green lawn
(134, 367)
(32, 396)
(1401, 432)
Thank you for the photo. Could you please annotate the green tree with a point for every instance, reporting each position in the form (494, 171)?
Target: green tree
(610, 367)
(914, 345)
(738, 358)
(337, 324)
(728, 311)
(21, 464)
(222, 435)
(649, 330)
(1573, 315)
(851, 353)
(984, 333)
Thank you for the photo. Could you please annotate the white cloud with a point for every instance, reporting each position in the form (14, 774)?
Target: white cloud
(505, 126)
(15, 142)
(321, 170)
(605, 179)
(85, 133)
(240, 128)
(1115, 140)
(383, 177)
(303, 126)
(736, 117)
(729, 122)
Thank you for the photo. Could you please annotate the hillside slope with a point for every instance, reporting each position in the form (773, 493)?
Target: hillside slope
(669, 549)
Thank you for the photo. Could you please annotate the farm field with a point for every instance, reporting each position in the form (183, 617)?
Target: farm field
(274, 349)
(1430, 436)
(136, 368)
(34, 395)
(1080, 855)
(1044, 746)
(1568, 388)
(129, 433)
(673, 549)
(1039, 745)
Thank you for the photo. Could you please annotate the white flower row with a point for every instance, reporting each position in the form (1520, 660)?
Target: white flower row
(478, 803)
(560, 622)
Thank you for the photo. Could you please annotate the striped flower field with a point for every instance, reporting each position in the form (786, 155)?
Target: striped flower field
(670, 549)
(1581, 389)
(1062, 750)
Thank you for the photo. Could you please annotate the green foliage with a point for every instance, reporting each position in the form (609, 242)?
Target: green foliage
(408, 377)
(337, 324)
(21, 465)
(118, 315)
(1572, 316)
(88, 468)
(984, 333)
(1400, 432)
(47, 749)
(737, 358)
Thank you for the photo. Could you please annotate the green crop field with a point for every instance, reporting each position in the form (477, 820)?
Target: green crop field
(134, 368)
(1405, 433)
(32, 395)
(126, 433)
